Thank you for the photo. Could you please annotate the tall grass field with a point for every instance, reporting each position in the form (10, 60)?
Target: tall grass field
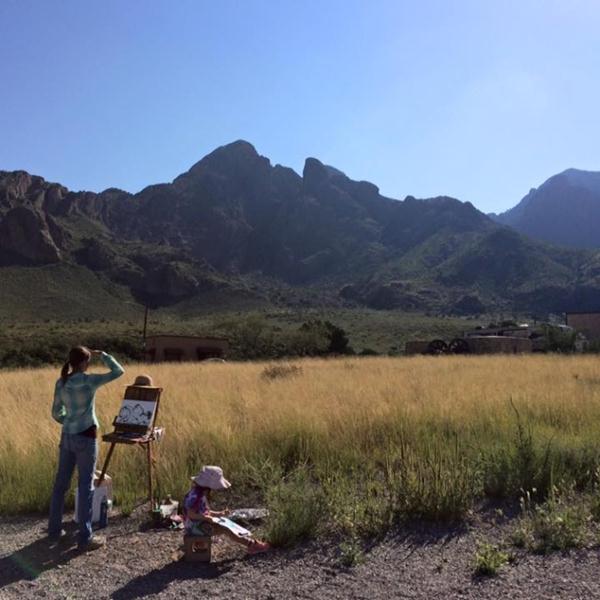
(353, 444)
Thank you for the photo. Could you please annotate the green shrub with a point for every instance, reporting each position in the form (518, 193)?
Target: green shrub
(489, 559)
(521, 536)
(351, 552)
(525, 464)
(295, 510)
(595, 506)
(368, 352)
(358, 506)
(559, 523)
(332, 339)
(558, 340)
(434, 483)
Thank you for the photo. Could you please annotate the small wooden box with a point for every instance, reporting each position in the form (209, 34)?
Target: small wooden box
(197, 548)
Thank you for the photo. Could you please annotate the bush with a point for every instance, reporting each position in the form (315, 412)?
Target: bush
(559, 523)
(368, 352)
(524, 465)
(251, 338)
(437, 484)
(592, 347)
(281, 371)
(351, 552)
(358, 507)
(558, 340)
(295, 510)
(595, 497)
(333, 338)
(489, 559)
(43, 349)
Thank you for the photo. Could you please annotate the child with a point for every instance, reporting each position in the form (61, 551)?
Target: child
(199, 519)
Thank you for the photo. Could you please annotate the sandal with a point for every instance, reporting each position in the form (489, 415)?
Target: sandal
(258, 547)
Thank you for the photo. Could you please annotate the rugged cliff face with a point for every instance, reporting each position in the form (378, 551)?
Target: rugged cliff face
(234, 223)
(26, 237)
(564, 210)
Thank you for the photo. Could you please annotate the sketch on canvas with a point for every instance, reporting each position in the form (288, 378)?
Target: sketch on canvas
(136, 412)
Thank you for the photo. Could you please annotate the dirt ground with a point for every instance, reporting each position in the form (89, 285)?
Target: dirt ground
(424, 561)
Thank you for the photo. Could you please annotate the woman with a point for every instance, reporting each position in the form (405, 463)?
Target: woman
(73, 408)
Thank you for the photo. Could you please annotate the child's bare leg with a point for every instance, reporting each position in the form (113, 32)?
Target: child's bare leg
(240, 539)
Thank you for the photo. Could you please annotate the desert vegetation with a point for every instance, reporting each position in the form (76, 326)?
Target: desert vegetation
(254, 335)
(350, 445)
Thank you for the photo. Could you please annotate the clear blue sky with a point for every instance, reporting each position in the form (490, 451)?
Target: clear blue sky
(478, 99)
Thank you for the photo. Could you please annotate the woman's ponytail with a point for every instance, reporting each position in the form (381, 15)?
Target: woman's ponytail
(64, 372)
(77, 356)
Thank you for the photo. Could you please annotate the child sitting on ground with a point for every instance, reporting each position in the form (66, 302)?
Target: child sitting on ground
(199, 519)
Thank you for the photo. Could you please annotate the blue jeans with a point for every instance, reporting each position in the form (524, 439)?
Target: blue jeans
(81, 451)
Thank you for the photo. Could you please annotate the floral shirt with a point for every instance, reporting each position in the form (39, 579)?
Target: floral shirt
(195, 500)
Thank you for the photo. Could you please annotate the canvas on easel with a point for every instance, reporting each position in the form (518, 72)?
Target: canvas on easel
(137, 415)
(136, 424)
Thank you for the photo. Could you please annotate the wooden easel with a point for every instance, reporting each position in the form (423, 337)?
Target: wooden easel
(137, 428)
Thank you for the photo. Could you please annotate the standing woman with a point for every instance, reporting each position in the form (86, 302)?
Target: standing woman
(73, 408)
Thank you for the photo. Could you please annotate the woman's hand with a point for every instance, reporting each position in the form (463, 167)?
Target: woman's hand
(96, 352)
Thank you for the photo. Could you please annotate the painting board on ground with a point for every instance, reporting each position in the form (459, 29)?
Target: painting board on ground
(233, 527)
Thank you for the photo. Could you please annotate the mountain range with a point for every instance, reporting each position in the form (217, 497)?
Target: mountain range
(564, 210)
(237, 228)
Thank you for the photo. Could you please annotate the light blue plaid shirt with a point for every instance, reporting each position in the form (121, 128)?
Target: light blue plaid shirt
(73, 404)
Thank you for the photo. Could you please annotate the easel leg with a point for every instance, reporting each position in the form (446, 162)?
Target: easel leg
(150, 491)
(105, 466)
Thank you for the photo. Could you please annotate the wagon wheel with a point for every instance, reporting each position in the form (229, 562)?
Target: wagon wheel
(437, 347)
(459, 346)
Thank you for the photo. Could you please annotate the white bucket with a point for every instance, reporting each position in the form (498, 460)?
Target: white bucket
(100, 493)
(168, 510)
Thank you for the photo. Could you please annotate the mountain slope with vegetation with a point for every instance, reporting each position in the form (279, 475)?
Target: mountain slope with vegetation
(564, 210)
(236, 227)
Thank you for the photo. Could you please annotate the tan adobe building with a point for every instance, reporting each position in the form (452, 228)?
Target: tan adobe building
(175, 348)
(587, 323)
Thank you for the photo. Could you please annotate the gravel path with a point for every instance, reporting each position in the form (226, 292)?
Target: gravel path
(426, 562)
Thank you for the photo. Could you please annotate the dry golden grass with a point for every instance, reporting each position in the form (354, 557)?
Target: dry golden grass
(444, 426)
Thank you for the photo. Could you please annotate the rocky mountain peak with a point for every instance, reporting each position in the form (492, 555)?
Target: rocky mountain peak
(237, 157)
(234, 218)
(564, 210)
(316, 175)
(589, 180)
(315, 172)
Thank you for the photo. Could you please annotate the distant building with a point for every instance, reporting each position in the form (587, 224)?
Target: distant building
(587, 323)
(173, 348)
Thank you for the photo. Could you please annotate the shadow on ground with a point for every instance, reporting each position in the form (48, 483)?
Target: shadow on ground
(29, 562)
(159, 579)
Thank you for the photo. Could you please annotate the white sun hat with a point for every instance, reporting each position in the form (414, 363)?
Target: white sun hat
(211, 477)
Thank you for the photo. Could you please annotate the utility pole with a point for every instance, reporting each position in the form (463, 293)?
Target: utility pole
(145, 325)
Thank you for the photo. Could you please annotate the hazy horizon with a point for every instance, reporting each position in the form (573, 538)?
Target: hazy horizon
(478, 102)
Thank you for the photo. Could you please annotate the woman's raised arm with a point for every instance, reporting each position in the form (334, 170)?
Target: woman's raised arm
(116, 370)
